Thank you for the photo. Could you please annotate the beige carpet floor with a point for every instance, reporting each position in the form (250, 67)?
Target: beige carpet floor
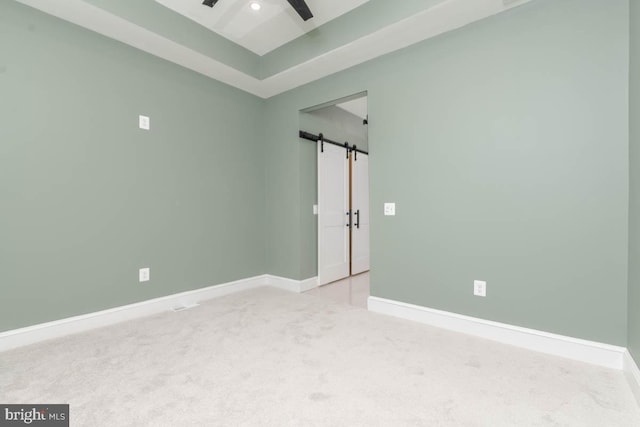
(270, 358)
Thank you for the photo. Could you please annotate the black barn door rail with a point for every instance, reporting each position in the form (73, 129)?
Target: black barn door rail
(320, 138)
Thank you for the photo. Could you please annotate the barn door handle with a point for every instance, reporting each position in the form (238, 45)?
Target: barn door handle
(349, 221)
(358, 218)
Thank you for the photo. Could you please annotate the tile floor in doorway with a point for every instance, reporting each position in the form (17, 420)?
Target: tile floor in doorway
(353, 290)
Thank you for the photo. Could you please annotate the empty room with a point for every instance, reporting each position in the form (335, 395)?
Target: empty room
(320, 213)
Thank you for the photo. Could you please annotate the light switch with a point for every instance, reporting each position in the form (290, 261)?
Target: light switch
(315, 209)
(389, 209)
(144, 122)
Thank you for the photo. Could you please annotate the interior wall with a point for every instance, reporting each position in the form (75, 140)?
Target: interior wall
(505, 146)
(88, 198)
(634, 190)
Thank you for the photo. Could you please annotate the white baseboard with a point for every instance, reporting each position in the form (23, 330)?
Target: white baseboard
(308, 284)
(632, 373)
(291, 285)
(71, 325)
(592, 352)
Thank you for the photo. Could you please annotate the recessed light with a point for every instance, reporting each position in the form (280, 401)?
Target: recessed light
(255, 5)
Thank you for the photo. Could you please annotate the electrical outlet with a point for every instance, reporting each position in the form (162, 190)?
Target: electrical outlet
(480, 288)
(144, 274)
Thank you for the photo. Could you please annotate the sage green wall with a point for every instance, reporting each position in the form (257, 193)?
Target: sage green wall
(633, 341)
(505, 146)
(87, 198)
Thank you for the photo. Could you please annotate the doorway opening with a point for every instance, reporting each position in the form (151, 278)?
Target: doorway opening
(340, 130)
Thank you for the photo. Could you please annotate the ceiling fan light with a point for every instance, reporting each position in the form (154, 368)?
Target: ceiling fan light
(255, 5)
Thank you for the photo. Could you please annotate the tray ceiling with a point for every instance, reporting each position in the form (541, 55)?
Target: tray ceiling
(345, 33)
(264, 30)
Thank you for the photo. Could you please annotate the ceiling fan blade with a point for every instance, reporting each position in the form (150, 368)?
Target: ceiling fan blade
(301, 7)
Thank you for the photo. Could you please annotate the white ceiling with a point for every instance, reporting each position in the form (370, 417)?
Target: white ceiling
(444, 16)
(275, 24)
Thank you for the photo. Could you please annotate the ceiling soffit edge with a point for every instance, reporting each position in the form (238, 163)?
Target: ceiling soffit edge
(441, 18)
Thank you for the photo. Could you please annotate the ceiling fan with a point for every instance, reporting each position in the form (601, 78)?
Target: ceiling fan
(299, 5)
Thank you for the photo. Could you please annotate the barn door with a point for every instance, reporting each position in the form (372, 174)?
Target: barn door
(334, 218)
(360, 212)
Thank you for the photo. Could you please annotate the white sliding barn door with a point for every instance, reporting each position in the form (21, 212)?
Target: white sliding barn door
(360, 207)
(333, 218)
